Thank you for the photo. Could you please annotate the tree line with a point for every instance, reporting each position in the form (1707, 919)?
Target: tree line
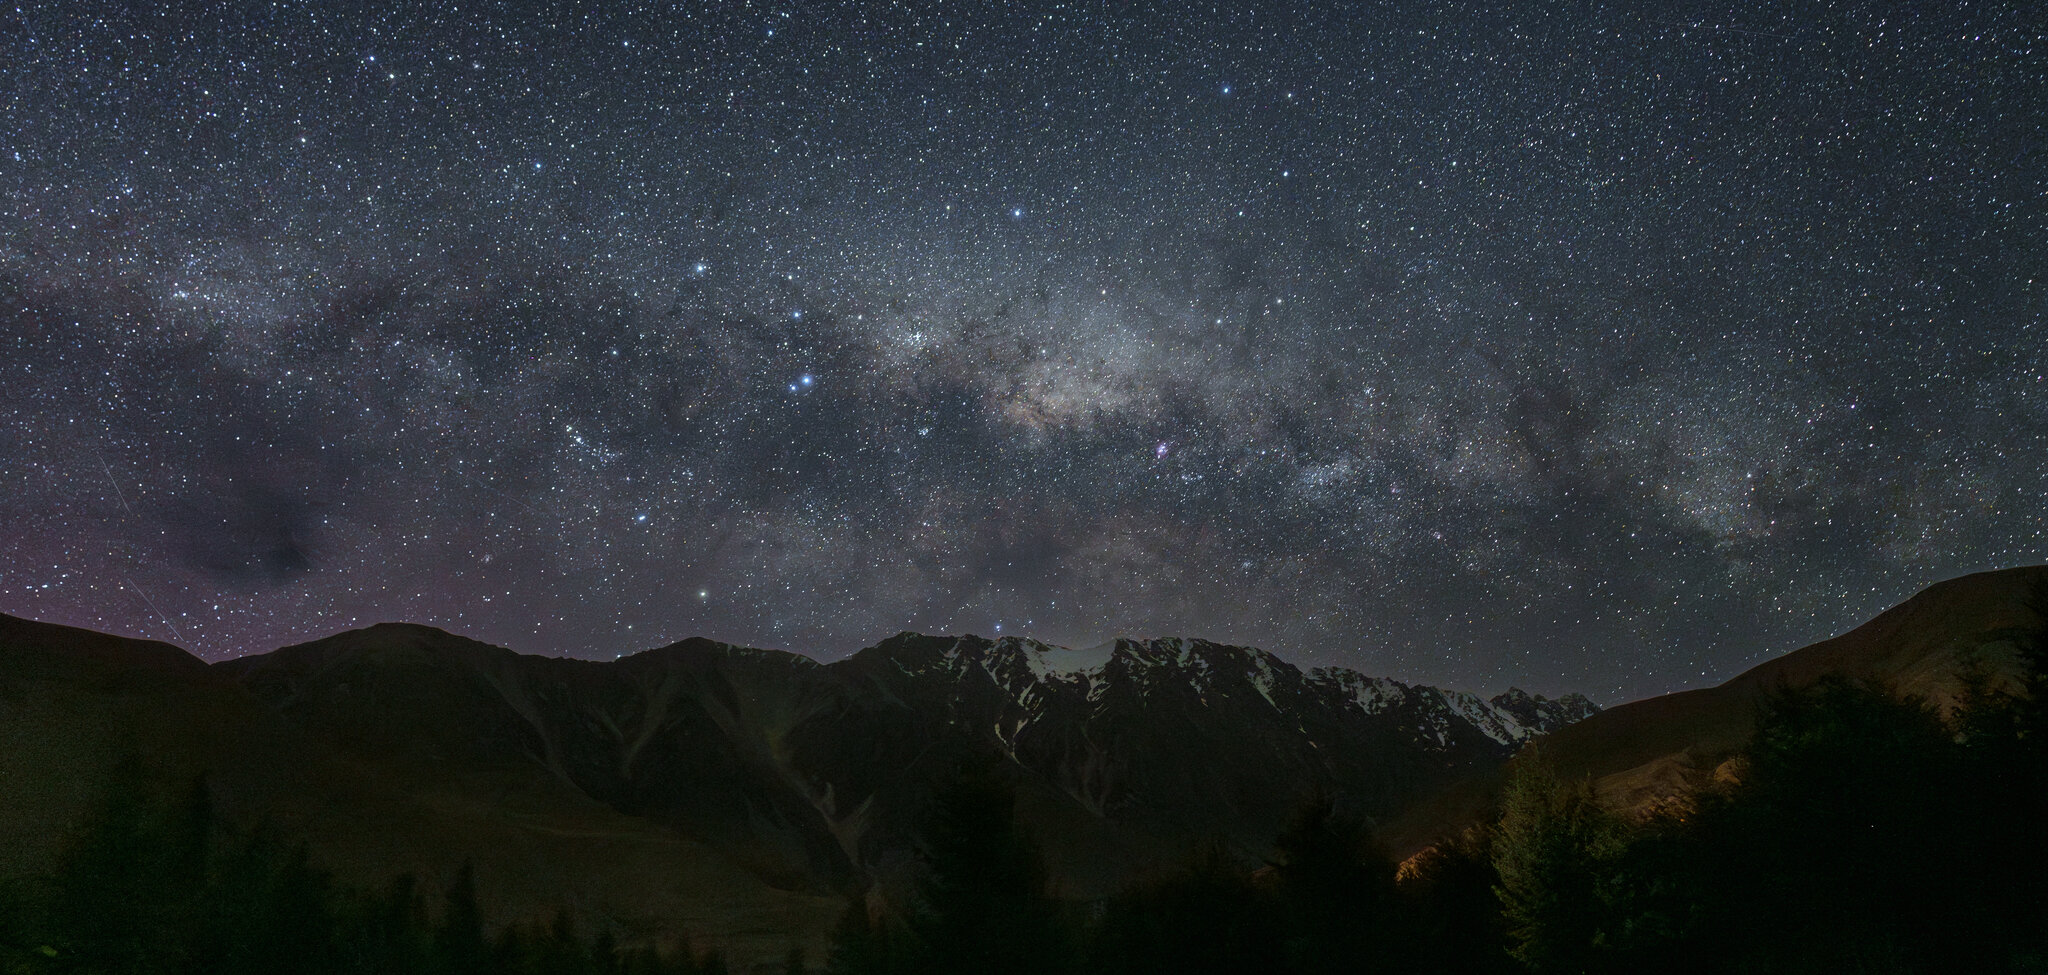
(1864, 832)
(163, 889)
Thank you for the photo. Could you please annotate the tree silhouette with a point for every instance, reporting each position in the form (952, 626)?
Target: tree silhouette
(1456, 917)
(1553, 850)
(861, 946)
(1207, 918)
(984, 903)
(1337, 886)
(123, 899)
(459, 945)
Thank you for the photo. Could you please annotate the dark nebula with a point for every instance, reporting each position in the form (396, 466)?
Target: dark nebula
(1607, 348)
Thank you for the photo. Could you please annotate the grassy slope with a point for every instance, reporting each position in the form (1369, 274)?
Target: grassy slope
(75, 704)
(1647, 752)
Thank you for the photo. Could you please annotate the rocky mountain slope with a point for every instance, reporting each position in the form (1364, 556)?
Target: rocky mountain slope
(739, 796)
(730, 794)
(815, 776)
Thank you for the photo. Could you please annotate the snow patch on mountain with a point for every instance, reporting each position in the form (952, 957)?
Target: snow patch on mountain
(1493, 722)
(1046, 660)
(1508, 719)
(1035, 676)
(1371, 694)
(1262, 675)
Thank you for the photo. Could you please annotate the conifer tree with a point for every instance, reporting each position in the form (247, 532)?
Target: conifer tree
(122, 900)
(459, 946)
(1457, 927)
(1337, 886)
(1208, 918)
(985, 906)
(1551, 849)
(861, 946)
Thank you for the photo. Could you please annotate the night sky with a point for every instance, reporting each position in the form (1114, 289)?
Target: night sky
(1597, 347)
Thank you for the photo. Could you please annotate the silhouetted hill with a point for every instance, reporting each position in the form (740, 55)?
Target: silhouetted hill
(817, 776)
(1646, 753)
(729, 794)
(738, 796)
(75, 705)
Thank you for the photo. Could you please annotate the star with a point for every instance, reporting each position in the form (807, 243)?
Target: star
(1550, 369)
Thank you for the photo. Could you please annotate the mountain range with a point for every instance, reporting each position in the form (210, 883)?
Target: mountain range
(740, 797)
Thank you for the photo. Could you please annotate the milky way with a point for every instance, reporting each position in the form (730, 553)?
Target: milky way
(1605, 348)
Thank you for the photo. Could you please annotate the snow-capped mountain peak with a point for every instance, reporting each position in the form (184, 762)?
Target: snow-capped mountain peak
(1050, 685)
(1046, 660)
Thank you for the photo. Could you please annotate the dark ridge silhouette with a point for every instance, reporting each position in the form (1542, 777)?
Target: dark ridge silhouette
(701, 794)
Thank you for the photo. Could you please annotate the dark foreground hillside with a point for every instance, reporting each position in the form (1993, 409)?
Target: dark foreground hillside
(707, 794)
(400, 800)
(1863, 832)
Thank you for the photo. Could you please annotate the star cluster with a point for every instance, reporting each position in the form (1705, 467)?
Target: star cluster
(1576, 346)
